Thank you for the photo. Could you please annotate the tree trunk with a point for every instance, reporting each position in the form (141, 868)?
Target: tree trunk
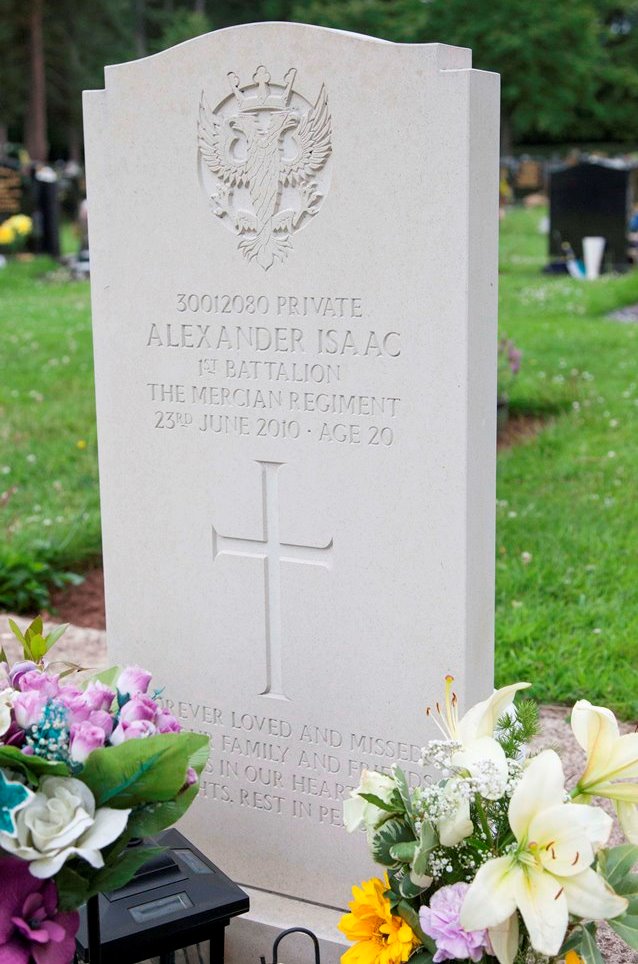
(36, 122)
(4, 137)
(75, 144)
(200, 7)
(507, 137)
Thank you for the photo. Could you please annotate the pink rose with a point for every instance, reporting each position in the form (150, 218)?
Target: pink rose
(84, 739)
(18, 670)
(48, 684)
(136, 730)
(102, 719)
(28, 707)
(133, 680)
(166, 723)
(74, 701)
(139, 707)
(98, 696)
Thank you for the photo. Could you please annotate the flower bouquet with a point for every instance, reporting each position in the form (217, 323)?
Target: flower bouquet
(14, 233)
(495, 859)
(85, 767)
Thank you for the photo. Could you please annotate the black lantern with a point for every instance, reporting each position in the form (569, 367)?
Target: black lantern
(176, 899)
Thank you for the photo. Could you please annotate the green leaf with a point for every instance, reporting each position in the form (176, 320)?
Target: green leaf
(626, 926)
(378, 802)
(15, 629)
(404, 852)
(588, 949)
(54, 635)
(404, 790)
(411, 917)
(106, 676)
(409, 889)
(140, 771)
(73, 888)
(3, 656)
(392, 832)
(33, 767)
(154, 817)
(428, 840)
(628, 887)
(125, 865)
(421, 956)
(38, 647)
(618, 862)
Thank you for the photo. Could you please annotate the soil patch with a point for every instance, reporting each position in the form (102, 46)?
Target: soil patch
(81, 605)
(520, 428)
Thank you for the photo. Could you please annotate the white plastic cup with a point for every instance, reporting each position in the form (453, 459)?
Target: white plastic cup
(593, 250)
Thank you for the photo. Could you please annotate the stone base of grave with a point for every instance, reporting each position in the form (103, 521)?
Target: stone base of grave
(252, 935)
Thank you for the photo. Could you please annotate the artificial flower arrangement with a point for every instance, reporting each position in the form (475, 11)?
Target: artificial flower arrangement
(495, 859)
(85, 767)
(14, 233)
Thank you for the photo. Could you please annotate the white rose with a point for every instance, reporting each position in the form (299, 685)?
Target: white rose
(61, 821)
(357, 811)
(6, 702)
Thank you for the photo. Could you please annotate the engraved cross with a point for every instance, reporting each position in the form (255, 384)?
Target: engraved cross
(273, 552)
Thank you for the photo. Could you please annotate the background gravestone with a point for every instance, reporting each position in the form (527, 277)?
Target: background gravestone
(293, 249)
(593, 198)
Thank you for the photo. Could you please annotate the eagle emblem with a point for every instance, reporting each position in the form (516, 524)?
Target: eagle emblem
(264, 157)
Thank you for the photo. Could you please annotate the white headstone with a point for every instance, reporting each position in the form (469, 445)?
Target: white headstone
(293, 256)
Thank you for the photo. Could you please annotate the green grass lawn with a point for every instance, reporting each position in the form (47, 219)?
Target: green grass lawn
(567, 546)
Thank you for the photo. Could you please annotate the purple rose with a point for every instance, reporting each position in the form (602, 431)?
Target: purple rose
(136, 730)
(191, 777)
(48, 684)
(441, 922)
(102, 719)
(98, 696)
(31, 927)
(84, 739)
(75, 702)
(166, 723)
(133, 680)
(139, 707)
(18, 670)
(27, 708)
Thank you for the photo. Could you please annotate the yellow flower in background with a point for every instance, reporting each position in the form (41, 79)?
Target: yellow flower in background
(81, 443)
(21, 224)
(7, 235)
(573, 958)
(380, 936)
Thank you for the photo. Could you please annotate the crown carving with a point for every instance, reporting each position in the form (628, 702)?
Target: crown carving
(263, 97)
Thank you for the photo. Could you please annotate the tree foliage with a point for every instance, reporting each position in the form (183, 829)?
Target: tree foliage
(569, 69)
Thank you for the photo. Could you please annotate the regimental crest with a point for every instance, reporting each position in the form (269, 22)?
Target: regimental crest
(264, 162)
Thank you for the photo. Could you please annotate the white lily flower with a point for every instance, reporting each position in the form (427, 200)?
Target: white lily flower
(357, 811)
(61, 821)
(610, 758)
(480, 756)
(548, 875)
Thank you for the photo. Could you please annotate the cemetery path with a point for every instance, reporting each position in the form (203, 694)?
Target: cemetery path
(87, 647)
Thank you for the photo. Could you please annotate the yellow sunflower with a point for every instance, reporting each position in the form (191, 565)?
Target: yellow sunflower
(380, 936)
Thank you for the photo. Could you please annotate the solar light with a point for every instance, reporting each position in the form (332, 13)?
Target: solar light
(176, 899)
(293, 930)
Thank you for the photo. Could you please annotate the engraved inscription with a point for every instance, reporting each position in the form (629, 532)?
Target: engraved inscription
(273, 552)
(264, 152)
(311, 369)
